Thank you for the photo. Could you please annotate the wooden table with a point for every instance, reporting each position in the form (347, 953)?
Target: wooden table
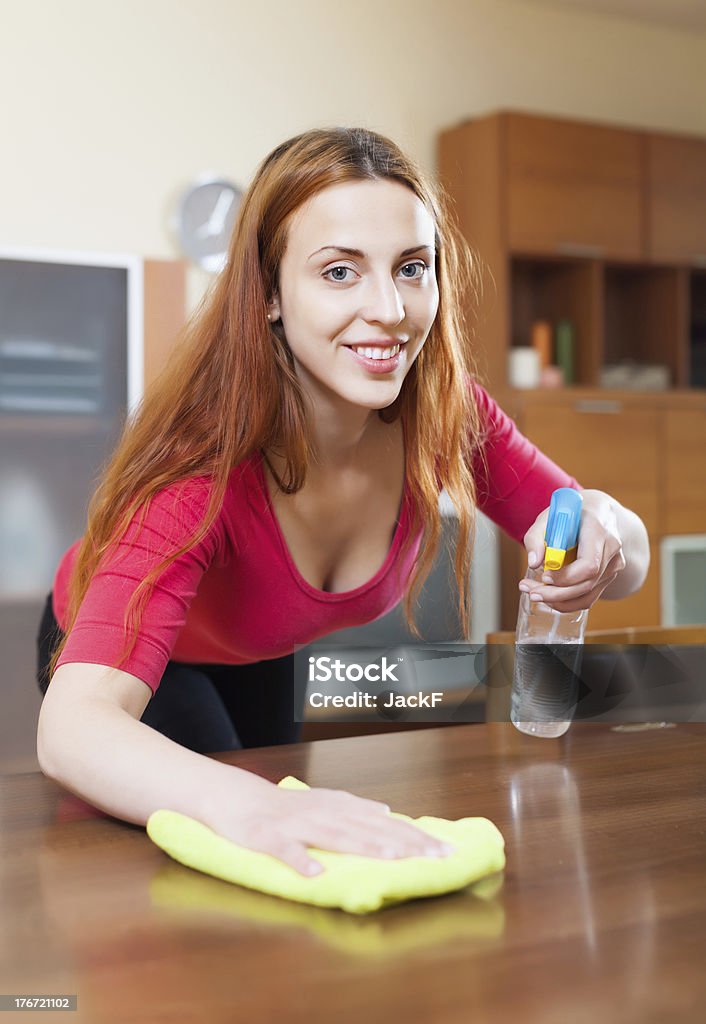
(600, 916)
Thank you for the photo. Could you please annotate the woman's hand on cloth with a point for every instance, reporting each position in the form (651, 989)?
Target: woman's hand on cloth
(612, 559)
(284, 822)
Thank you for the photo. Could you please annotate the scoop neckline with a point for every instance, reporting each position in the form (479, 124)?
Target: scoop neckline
(325, 595)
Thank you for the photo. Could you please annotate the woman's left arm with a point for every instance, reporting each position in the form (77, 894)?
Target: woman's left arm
(612, 559)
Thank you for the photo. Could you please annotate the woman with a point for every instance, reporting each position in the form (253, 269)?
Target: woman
(281, 481)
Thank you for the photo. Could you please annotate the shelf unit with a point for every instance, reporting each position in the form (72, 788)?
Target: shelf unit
(604, 227)
(556, 289)
(582, 222)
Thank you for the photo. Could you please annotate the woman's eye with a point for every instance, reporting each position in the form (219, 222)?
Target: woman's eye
(411, 271)
(338, 273)
(417, 270)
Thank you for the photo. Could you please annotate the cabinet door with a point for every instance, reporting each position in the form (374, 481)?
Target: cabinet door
(604, 445)
(613, 448)
(677, 198)
(684, 498)
(640, 609)
(574, 188)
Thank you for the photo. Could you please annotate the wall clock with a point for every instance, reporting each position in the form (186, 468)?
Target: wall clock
(205, 219)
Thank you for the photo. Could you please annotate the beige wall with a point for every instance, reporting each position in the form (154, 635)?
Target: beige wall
(110, 107)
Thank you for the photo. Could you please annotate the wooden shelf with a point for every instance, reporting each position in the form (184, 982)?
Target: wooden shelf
(646, 317)
(605, 228)
(559, 289)
(601, 226)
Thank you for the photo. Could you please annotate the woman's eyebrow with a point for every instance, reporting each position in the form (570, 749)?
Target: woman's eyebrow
(359, 254)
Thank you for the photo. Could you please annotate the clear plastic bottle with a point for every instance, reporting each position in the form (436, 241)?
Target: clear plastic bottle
(548, 643)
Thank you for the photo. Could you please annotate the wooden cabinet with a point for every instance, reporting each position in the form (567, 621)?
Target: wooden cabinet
(603, 228)
(641, 609)
(676, 208)
(599, 226)
(164, 312)
(648, 451)
(607, 444)
(684, 492)
(573, 187)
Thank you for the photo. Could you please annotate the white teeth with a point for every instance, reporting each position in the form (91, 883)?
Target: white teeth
(376, 353)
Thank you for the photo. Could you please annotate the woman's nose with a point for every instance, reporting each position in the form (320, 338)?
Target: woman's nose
(383, 303)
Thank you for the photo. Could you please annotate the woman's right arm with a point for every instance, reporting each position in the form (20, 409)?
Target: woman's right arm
(90, 740)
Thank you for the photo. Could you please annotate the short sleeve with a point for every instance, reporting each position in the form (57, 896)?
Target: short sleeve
(514, 479)
(98, 635)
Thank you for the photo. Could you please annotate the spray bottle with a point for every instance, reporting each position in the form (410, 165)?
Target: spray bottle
(548, 643)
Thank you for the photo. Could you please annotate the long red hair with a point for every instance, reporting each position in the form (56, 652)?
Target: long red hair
(230, 387)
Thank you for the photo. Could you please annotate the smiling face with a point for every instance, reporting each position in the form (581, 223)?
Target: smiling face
(357, 290)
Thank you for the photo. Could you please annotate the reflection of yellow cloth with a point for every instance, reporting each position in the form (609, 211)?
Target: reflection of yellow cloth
(469, 916)
(354, 883)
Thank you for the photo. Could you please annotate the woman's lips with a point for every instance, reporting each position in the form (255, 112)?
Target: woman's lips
(377, 365)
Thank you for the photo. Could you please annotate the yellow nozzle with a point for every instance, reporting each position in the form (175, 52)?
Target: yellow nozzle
(555, 558)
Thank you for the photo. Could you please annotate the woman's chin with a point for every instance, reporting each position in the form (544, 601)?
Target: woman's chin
(374, 398)
(372, 395)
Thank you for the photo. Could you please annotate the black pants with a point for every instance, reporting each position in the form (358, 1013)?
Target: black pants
(208, 708)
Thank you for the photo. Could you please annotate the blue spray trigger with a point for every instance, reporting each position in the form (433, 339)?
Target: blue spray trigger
(564, 520)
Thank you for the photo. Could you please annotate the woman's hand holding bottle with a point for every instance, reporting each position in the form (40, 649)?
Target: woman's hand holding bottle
(599, 562)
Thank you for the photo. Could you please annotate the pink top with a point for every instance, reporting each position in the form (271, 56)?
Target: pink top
(237, 596)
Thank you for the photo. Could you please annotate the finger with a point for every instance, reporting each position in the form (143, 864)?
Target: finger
(535, 554)
(291, 852)
(534, 542)
(569, 575)
(571, 589)
(555, 591)
(584, 601)
(364, 820)
(584, 570)
(603, 554)
(618, 561)
(397, 839)
(550, 594)
(599, 541)
(570, 579)
(409, 840)
(561, 597)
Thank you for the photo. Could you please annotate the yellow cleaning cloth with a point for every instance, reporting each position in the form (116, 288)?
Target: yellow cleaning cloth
(353, 883)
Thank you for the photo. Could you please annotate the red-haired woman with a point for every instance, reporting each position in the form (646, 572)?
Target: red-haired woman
(281, 481)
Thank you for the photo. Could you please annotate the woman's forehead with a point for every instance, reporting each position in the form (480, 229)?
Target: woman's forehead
(361, 215)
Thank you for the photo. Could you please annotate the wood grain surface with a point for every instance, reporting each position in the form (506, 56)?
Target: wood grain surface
(600, 915)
